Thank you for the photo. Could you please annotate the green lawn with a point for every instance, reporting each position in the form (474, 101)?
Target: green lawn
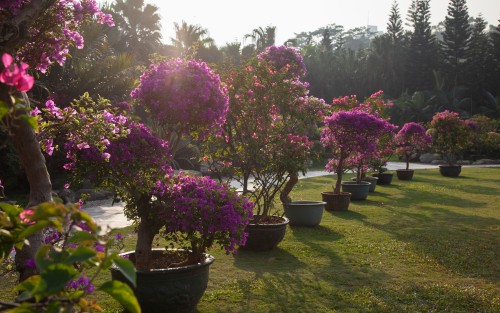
(427, 245)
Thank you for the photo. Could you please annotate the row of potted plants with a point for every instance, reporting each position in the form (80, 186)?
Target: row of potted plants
(256, 123)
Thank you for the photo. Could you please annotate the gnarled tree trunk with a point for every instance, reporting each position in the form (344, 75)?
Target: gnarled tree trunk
(27, 146)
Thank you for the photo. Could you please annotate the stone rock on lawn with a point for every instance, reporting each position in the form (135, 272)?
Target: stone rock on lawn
(429, 157)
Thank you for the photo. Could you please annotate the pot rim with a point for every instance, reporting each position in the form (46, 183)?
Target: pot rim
(306, 202)
(342, 193)
(363, 183)
(284, 218)
(209, 259)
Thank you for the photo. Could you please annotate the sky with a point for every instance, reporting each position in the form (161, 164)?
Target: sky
(229, 20)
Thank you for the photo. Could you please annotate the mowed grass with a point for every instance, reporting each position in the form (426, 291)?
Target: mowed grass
(427, 245)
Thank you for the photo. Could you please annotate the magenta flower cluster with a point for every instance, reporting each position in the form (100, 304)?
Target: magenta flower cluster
(410, 139)
(125, 162)
(15, 74)
(62, 22)
(185, 94)
(285, 58)
(352, 136)
(204, 211)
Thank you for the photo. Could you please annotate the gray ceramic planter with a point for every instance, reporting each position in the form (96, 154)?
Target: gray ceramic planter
(305, 212)
(358, 191)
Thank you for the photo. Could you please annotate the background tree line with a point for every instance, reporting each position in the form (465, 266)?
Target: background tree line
(424, 69)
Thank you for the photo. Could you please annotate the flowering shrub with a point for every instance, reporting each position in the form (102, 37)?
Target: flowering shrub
(483, 129)
(410, 139)
(451, 135)
(113, 152)
(61, 22)
(62, 284)
(265, 134)
(352, 137)
(375, 105)
(285, 59)
(201, 213)
(184, 94)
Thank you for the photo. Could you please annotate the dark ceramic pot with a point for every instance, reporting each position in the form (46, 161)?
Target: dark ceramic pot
(383, 178)
(304, 212)
(336, 202)
(177, 289)
(358, 191)
(405, 174)
(264, 237)
(450, 170)
(372, 180)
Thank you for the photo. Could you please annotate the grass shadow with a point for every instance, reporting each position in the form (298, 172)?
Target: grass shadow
(261, 262)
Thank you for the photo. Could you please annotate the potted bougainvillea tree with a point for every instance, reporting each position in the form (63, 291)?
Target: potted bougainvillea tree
(128, 159)
(349, 136)
(451, 137)
(264, 143)
(411, 139)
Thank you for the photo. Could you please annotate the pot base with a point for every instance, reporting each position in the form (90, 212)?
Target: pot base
(336, 202)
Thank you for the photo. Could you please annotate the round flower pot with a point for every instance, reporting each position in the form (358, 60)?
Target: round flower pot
(383, 178)
(450, 170)
(372, 180)
(405, 174)
(265, 236)
(304, 212)
(358, 191)
(336, 202)
(177, 289)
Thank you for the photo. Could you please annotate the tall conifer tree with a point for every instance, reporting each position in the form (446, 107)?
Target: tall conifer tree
(455, 44)
(423, 52)
(395, 24)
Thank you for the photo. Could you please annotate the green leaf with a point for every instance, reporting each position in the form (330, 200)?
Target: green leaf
(41, 259)
(53, 307)
(57, 276)
(24, 308)
(81, 236)
(80, 254)
(10, 209)
(4, 109)
(47, 210)
(38, 226)
(31, 120)
(84, 216)
(127, 268)
(122, 293)
(28, 285)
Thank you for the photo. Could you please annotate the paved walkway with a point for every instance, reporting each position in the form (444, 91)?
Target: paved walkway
(111, 216)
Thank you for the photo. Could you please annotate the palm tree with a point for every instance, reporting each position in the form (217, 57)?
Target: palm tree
(262, 37)
(139, 27)
(189, 37)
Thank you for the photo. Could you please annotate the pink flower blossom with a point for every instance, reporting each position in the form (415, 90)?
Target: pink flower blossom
(15, 74)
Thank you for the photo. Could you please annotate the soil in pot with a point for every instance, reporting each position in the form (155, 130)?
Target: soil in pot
(450, 170)
(336, 202)
(162, 289)
(405, 174)
(304, 212)
(265, 233)
(358, 191)
(383, 178)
